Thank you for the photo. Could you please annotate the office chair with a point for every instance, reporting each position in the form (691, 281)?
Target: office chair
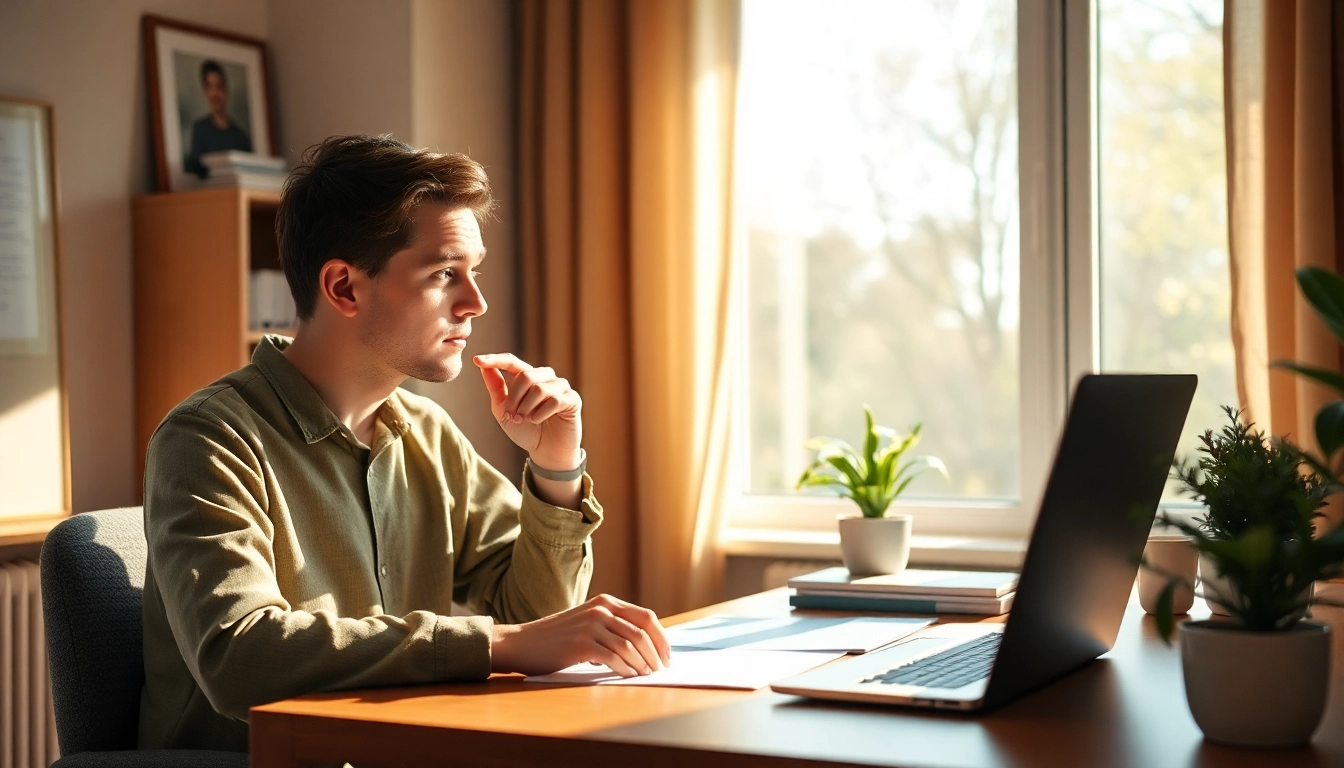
(93, 579)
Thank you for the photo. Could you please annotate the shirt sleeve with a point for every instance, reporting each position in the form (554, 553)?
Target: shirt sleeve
(520, 558)
(211, 560)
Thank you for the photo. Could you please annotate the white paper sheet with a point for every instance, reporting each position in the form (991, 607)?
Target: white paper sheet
(794, 633)
(18, 237)
(736, 669)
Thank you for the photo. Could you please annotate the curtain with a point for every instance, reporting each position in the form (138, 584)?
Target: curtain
(1283, 61)
(625, 162)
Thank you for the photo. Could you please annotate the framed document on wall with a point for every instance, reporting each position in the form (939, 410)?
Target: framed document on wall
(34, 452)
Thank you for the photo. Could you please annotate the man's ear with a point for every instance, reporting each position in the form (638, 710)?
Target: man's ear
(342, 285)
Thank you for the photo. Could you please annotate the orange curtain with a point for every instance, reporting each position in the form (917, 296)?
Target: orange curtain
(1283, 62)
(625, 139)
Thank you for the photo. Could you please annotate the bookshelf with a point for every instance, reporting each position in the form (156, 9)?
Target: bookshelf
(193, 255)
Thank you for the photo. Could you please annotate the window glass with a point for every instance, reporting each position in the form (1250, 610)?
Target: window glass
(878, 180)
(1164, 283)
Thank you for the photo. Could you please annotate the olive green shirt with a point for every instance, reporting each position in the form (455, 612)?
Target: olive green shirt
(285, 557)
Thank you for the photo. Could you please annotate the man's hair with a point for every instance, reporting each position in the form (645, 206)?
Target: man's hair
(210, 65)
(354, 198)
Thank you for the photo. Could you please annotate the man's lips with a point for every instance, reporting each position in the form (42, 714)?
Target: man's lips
(456, 341)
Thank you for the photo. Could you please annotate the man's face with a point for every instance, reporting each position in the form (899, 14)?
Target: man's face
(216, 92)
(421, 304)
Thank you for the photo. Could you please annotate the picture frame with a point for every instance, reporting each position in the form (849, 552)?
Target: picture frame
(34, 421)
(209, 90)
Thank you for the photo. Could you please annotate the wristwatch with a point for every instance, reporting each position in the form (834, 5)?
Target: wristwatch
(562, 477)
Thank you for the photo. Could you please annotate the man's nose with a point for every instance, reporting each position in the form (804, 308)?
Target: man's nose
(472, 304)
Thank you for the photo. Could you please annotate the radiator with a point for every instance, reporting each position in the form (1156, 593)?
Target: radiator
(27, 722)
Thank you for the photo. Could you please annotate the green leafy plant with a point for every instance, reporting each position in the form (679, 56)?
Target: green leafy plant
(1324, 290)
(1263, 498)
(874, 478)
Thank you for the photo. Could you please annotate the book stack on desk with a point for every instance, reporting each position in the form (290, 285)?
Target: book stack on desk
(913, 590)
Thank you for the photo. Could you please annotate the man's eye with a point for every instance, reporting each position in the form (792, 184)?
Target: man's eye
(448, 273)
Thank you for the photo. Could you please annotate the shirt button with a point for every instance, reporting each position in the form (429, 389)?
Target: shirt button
(383, 570)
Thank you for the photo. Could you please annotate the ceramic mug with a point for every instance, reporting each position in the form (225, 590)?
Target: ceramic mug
(1171, 556)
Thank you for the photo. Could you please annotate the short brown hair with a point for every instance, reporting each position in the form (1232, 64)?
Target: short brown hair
(354, 198)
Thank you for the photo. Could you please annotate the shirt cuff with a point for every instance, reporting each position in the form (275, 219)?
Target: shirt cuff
(462, 647)
(557, 526)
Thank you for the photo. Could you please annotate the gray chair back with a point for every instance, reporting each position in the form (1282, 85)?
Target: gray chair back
(93, 580)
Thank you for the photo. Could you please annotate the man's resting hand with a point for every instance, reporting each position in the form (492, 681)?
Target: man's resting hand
(604, 630)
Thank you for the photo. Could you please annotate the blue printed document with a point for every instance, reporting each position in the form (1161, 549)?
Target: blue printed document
(792, 633)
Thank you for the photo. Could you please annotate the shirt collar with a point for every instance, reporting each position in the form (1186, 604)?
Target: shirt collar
(305, 406)
(314, 418)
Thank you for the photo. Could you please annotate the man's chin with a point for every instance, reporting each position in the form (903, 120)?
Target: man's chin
(438, 371)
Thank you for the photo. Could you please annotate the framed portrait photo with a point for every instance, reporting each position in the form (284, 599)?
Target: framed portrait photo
(209, 92)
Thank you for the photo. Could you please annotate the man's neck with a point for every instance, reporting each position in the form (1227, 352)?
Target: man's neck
(221, 120)
(344, 375)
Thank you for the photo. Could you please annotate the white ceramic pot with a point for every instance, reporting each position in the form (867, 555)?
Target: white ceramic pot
(1212, 585)
(875, 545)
(1256, 689)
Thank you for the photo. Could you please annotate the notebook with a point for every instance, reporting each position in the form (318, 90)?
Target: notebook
(910, 582)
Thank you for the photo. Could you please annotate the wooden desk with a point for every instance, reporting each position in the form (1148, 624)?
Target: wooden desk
(1126, 709)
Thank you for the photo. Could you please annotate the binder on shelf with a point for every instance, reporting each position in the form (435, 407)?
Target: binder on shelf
(270, 305)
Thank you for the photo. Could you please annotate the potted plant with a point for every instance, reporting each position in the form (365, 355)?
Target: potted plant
(871, 542)
(1258, 678)
(1244, 480)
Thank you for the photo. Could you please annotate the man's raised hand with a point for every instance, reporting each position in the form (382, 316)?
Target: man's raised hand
(537, 410)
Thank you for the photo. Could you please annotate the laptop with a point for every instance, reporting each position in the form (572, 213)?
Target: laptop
(1098, 507)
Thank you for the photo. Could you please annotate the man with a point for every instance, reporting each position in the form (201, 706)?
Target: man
(310, 524)
(216, 131)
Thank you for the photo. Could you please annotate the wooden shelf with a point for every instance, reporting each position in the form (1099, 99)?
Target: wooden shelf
(194, 254)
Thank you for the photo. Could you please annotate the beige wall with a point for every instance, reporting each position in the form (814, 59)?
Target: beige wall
(85, 58)
(462, 101)
(433, 72)
(341, 67)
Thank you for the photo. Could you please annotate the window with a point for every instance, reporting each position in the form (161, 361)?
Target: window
(1164, 283)
(888, 261)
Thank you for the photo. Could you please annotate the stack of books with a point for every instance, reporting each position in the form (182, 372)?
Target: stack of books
(232, 168)
(911, 591)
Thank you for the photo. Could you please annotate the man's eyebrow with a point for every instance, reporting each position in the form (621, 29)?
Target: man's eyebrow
(447, 257)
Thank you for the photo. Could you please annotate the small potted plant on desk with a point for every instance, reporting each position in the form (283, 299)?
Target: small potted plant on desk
(1258, 678)
(871, 542)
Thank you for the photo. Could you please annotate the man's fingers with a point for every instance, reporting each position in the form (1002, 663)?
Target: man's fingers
(545, 400)
(529, 400)
(546, 410)
(525, 384)
(646, 620)
(603, 655)
(639, 639)
(495, 386)
(503, 361)
(624, 649)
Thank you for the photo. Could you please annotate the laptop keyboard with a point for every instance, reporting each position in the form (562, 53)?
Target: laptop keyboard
(952, 668)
